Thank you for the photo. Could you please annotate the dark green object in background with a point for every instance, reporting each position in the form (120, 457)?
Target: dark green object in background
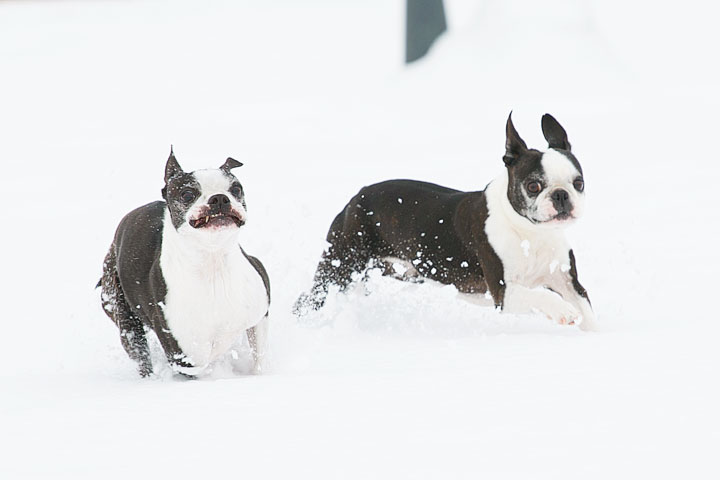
(425, 22)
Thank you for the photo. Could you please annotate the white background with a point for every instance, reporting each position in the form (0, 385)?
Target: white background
(409, 381)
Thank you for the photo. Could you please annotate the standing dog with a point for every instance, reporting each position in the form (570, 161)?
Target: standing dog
(176, 267)
(504, 245)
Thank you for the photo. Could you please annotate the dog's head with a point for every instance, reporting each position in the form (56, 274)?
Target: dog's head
(547, 188)
(204, 201)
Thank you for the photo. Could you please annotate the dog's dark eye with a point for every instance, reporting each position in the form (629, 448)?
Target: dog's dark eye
(579, 184)
(187, 195)
(534, 187)
(236, 191)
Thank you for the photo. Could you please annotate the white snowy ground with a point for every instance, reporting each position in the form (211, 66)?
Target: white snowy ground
(407, 382)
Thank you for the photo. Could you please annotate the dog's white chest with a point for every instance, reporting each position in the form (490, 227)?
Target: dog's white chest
(531, 261)
(211, 301)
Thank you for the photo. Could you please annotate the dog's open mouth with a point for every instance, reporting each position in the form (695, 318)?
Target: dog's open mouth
(217, 220)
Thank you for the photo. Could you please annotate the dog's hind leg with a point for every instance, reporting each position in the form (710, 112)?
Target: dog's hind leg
(132, 332)
(337, 266)
(258, 340)
(347, 254)
(133, 339)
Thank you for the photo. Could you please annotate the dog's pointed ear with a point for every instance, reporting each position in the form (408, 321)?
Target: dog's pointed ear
(514, 145)
(554, 133)
(172, 167)
(229, 164)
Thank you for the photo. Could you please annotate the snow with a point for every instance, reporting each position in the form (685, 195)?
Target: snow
(394, 379)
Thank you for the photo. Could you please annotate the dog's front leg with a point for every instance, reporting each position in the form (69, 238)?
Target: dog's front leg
(565, 282)
(258, 339)
(581, 303)
(519, 299)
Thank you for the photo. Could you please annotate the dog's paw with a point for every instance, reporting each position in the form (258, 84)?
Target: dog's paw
(588, 323)
(559, 311)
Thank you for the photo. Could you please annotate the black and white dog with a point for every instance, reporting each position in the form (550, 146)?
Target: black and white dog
(176, 267)
(504, 246)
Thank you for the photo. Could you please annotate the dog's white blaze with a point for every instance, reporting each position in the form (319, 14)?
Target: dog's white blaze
(212, 181)
(558, 168)
(213, 295)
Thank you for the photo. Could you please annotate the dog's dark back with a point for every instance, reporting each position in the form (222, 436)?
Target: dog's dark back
(397, 218)
(422, 223)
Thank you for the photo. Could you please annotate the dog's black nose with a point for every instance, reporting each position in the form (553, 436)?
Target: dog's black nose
(219, 200)
(561, 200)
